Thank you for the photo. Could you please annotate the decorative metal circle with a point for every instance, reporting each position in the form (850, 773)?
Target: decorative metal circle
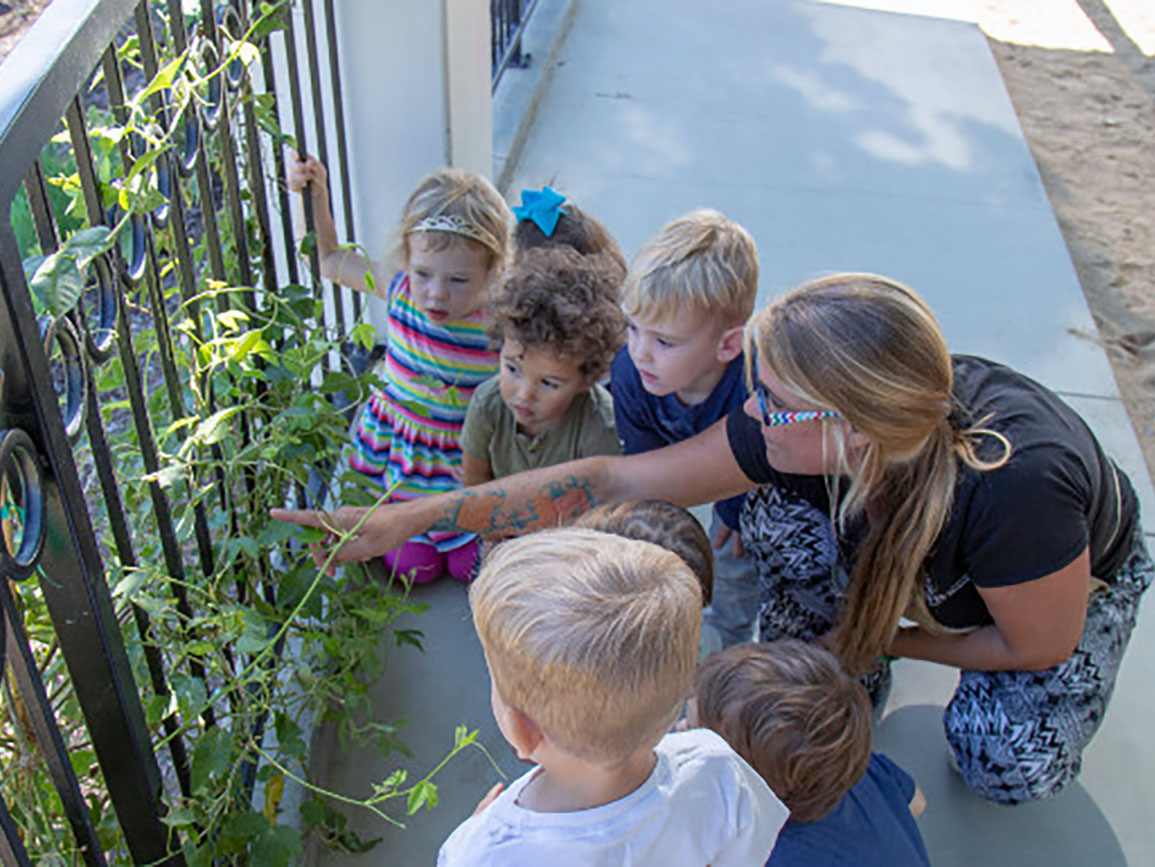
(190, 150)
(135, 262)
(98, 321)
(213, 102)
(68, 373)
(21, 505)
(134, 250)
(164, 187)
(3, 638)
(229, 21)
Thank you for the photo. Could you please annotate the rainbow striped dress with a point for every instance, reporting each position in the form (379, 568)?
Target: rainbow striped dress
(407, 437)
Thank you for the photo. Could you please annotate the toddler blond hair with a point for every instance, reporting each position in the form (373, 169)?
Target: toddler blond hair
(592, 636)
(701, 262)
(483, 215)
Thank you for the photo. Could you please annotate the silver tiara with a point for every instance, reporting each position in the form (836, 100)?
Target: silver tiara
(449, 223)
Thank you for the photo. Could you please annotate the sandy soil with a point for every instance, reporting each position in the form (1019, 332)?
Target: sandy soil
(1084, 91)
(1089, 118)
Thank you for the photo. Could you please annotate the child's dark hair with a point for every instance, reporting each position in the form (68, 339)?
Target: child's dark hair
(575, 228)
(558, 298)
(667, 526)
(789, 709)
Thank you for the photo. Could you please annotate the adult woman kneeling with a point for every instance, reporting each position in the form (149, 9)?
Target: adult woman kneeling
(889, 480)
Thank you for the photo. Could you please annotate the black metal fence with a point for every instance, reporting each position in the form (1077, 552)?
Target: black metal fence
(508, 19)
(90, 419)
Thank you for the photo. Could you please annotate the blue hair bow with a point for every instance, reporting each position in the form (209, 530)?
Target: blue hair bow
(543, 208)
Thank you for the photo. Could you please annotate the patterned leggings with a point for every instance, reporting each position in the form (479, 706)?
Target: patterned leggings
(1017, 735)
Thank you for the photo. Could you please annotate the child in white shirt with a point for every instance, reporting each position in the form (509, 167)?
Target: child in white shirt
(591, 641)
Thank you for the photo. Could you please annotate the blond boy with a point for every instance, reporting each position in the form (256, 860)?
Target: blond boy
(591, 641)
(687, 297)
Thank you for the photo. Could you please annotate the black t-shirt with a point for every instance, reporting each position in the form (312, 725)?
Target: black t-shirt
(1057, 494)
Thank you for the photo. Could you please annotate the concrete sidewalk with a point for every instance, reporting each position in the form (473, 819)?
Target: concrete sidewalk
(844, 139)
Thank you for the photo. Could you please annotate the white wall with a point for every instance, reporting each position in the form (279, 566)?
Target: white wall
(415, 75)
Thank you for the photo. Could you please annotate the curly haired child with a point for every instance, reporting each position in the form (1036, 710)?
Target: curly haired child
(789, 709)
(454, 243)
(559, 324)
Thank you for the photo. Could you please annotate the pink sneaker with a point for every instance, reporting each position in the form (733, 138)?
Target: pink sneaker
(461, 563)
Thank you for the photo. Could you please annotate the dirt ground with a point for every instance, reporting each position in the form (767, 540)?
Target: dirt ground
(1088, 113)
(1089, 117)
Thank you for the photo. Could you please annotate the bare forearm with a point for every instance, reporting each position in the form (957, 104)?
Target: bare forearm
(984, 649)
(337, 262)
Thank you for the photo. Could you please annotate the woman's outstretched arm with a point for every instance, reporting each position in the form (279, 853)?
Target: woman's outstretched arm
(699, 470)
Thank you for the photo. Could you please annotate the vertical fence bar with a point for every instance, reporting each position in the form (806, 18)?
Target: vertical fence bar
(37, 194)
(269, 73)
(342, 144)
(299, 130)
(319, 117)
(44, 728)
(12, 851)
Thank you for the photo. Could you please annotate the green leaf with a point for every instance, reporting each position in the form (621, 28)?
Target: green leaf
(202, 856)
(233, 320)
(290, 738)
(164, 78)
(244, 826)
(157, 710)
(293, 586)
(167, 476)
(409, 636)
(272, 19)
(391, 782)
(179, 817)
(247, 545)
(214, 428)
(252, 341)
(255, 637)
(365, 334)
(309, 535)
(211, 759)
(274, 533)
(278, 846)
(88, 243)
(58, 282)
(421, 794)
(463, 737)
(128, 586)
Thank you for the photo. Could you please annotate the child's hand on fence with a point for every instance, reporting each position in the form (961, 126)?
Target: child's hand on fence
(301, 171)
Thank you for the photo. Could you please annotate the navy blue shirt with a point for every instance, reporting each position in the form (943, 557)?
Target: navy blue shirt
(871, 827)
(646, 422)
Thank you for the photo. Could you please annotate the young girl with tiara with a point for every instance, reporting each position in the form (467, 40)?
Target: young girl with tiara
(454, 243)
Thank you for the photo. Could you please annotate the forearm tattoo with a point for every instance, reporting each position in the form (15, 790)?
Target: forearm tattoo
(492, 510)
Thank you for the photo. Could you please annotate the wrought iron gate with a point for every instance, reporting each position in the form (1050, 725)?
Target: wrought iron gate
(213, 216)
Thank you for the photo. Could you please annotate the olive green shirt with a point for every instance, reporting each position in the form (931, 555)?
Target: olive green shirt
(490, 432)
